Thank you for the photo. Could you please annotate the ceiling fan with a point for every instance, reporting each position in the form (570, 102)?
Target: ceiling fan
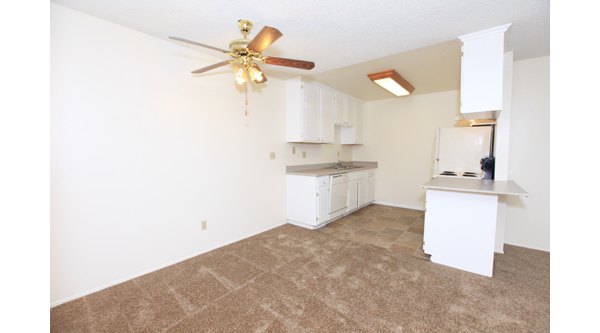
(246, 52)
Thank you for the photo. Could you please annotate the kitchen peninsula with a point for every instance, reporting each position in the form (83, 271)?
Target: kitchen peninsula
(460, 221)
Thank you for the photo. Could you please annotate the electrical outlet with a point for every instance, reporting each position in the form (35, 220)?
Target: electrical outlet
(303, 154)
(293, 150)
(272, 155)
(338, 153)
(203, 225)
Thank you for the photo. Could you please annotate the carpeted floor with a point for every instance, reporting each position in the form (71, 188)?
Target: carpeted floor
(291, 279)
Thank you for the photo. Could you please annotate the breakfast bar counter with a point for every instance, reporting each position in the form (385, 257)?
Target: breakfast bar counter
(484, 186)
(460, 221)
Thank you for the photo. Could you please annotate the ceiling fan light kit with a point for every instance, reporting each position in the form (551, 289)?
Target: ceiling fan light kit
(245, 52)
(256, 74)
(391, 81)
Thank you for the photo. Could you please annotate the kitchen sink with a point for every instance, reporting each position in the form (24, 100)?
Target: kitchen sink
(349, 167)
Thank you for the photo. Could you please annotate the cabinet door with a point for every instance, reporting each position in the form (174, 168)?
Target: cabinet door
(351, 112)
(327, 112)
(481, 73)
(353, 135)
(323, 202)
(358, 122)
(363, 189)
(341, 109)
(311, 100)
(352, 195)
(371, 189)
(301, 199)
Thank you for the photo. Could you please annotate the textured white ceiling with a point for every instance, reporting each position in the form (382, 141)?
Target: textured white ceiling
(429, 69)
(333, 33)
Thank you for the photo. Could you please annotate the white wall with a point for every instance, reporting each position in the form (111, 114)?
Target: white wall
(528, 219)
(399, 133)
(142, 152)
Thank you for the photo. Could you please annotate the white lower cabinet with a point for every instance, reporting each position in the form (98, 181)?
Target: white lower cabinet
(352, 198)
(309, 198)
(361, 189)
(323, 202)
(371, 187)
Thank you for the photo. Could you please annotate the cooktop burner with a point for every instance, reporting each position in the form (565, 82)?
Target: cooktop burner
(461, 174)
(448, 173)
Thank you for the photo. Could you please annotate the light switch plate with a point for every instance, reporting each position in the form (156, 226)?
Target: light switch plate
(293, 150)
(272, 155)
(303, 154)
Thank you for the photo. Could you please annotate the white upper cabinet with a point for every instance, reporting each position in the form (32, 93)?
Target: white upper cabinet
(309, 112)
(327, 114)
(342, 116)
(354, 133)
(314, 109)
(481, 73)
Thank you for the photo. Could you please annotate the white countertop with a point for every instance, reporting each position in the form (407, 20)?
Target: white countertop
(485, 186)
(327, 171)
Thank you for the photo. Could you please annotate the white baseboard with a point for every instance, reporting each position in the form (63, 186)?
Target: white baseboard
(110, 284)
(527, 246)
(393, 204)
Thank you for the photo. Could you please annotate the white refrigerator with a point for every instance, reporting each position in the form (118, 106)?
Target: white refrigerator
(459, 151)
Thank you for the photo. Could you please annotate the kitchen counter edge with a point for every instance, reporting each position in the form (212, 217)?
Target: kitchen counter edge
(483, 186)
(327, 170)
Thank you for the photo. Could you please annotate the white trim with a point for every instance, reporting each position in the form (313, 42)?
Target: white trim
(486, 32)
(528, 247)
(110, 284)
(393, 204)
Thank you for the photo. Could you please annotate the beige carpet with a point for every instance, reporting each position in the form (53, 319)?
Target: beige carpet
(291, 279)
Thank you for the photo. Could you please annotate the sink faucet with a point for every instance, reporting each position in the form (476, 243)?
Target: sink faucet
(338, 164)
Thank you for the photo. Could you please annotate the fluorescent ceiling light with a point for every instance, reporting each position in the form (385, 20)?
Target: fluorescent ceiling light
(391, 81)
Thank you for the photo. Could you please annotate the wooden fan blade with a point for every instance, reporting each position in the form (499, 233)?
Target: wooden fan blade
(290, 63)
(265, 37)
(206, 69)
(198, 44)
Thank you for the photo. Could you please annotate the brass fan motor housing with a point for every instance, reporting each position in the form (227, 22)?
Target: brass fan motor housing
(239, 44)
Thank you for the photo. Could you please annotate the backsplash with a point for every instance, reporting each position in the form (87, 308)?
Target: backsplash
(316, 153)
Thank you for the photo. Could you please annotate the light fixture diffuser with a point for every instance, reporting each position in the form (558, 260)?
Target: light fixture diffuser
(241, 76)
(391, 81)
(256, 74)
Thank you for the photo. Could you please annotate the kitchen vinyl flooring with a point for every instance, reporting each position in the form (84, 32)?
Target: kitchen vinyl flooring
(393, 228)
